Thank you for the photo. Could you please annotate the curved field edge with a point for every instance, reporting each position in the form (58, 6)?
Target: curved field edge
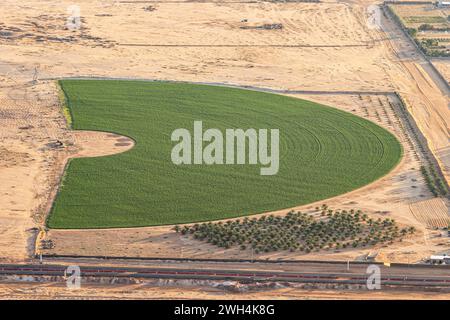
(63, 101)
(324, 152)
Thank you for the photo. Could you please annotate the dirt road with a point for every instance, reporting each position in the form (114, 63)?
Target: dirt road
(427, 94)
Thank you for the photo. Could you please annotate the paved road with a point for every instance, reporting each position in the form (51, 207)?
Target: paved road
(308, 272)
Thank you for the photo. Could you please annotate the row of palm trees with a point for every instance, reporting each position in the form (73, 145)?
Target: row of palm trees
(297, 231)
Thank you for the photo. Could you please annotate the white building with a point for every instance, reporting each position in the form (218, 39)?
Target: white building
(440, 259)
(443, 4)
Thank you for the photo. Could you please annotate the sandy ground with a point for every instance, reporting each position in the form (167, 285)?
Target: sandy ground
(427, 102)
(35, 146)
(443, 65)
(396, 196)
(40, 291)
(324, 46)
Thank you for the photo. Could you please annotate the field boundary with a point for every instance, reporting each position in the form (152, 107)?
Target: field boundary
(422, 141)
(64, 103)
(245, 45)
(230, 85)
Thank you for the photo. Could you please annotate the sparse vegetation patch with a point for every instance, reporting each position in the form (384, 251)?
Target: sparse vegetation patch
(297, 231)
(427, 24)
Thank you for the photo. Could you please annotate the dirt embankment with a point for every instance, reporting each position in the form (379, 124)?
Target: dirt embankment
(168, 289)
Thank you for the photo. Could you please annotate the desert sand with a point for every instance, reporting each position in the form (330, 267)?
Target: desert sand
(401, 195)
(193, 291)
(324, 46)
(443, 65)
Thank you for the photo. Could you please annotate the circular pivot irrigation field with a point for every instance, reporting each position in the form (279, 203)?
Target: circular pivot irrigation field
(324, 152)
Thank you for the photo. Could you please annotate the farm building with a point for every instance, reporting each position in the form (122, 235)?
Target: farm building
(444, 259)
(443, 4)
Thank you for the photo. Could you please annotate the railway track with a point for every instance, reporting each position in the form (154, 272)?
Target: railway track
(307, 273)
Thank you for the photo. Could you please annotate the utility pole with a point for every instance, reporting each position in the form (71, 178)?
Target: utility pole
(35, 75)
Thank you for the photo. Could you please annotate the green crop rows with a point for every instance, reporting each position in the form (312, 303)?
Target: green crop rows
(324, 152)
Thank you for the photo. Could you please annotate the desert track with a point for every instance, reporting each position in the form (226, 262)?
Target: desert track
(429, 98)
(248, 87)
(243, 45)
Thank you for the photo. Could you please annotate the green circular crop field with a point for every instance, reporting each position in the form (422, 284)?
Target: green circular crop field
(323, 152)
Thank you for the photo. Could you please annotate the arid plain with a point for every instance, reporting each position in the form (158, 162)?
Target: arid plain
(325, 52)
